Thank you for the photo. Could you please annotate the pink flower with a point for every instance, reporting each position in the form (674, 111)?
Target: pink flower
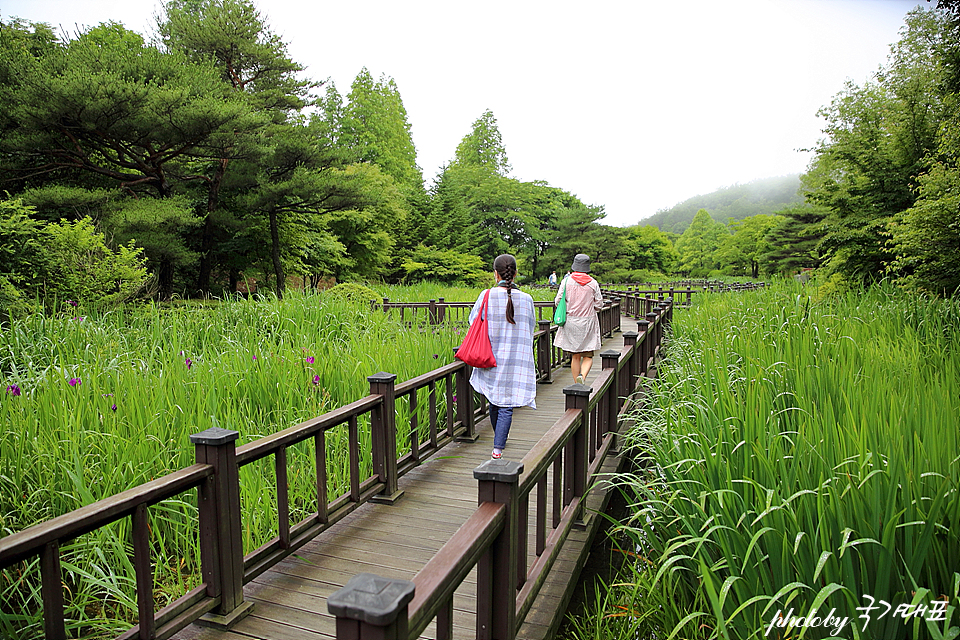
(309, 359)
(316, 380)
(74, 382)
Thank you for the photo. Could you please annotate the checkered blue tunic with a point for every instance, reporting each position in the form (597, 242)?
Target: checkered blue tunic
(513, 382)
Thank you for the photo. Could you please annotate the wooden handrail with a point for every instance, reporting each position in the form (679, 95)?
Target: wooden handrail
(440, 577)
(29, 542)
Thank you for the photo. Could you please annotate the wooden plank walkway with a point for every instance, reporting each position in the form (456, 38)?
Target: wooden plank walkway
(395, 541)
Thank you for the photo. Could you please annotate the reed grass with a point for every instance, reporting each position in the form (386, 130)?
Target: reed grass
(801, 455)
(146, 378)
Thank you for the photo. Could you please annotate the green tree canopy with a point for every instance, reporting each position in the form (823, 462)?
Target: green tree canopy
(697, 246)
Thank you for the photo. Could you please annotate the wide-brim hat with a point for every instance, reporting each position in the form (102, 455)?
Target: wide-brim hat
(581, 263)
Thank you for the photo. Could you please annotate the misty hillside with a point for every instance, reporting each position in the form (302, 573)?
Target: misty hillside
(738, 202)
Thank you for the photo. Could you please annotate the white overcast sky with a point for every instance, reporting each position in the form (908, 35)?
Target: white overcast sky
(634, 105)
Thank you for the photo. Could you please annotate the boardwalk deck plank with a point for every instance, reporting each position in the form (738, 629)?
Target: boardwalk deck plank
(395, 541)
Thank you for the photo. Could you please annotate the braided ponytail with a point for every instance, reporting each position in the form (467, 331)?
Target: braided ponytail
(506, 267)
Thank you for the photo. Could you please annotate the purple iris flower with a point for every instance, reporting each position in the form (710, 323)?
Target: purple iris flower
(14, 390)
(316, 380)
(114, 407)
(74, 382)
(309, 359)
(189, 363)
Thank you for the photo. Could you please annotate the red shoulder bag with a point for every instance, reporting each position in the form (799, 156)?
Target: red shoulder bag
(475, 349)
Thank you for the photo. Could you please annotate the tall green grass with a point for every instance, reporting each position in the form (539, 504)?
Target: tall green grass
(802, 456)
(148, 378)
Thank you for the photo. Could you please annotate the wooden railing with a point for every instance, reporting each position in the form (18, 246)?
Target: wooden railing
(630, 295)
(440, 311)
(225, 569)
(495, 538)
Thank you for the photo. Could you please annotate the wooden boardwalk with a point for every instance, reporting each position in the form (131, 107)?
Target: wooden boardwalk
(395, 541)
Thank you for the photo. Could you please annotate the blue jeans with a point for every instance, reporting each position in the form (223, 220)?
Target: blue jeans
(500, 418)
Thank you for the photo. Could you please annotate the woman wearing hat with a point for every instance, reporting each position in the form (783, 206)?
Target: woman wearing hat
(580, 334)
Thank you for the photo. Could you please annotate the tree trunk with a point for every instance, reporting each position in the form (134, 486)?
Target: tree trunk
(206, 241)
(275, 252)
(165, 279)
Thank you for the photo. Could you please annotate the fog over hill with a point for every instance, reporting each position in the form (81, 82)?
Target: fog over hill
(739, 201)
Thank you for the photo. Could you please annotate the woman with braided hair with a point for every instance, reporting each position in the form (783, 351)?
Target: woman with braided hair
(511, 321)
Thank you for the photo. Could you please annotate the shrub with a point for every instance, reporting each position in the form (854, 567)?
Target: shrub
(84, 268)
(448, 267)
(353, 292)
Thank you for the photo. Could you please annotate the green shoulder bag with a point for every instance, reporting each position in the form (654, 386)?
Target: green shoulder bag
(560, 315)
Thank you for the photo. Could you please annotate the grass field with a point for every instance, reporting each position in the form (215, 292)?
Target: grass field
(802, 456)
(94, 403)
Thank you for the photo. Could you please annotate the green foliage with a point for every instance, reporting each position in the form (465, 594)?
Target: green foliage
(927, 235)
(652, 250)
(449, 267)
(25, 261)
(793, 243)
(483, 147)
(742, 251)
(375, 129)
(84, 269)
(12, 302)
(352, 292)
(697, 246)
(107, 104)
(805, 455)
(878, 138)
(234, 35)
(65, 202)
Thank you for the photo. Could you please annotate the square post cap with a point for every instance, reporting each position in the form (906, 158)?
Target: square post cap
(578, 389)
(382, 377)
(499, 471)
(610, 353)
(369, 598)
(214, 436)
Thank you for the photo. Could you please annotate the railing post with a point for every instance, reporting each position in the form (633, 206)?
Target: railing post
(51, 590)
(545, 351)
(383, 424)
(630, 340)
(369, 606)
(221, 544)
(432, 312)
(577, 396)
(498, 569)
(649, 328)
(441, 310)
(617, 312)
(610, 359)
(465, 409)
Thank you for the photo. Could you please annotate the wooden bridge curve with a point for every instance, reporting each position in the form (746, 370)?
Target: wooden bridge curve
(396, 540)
